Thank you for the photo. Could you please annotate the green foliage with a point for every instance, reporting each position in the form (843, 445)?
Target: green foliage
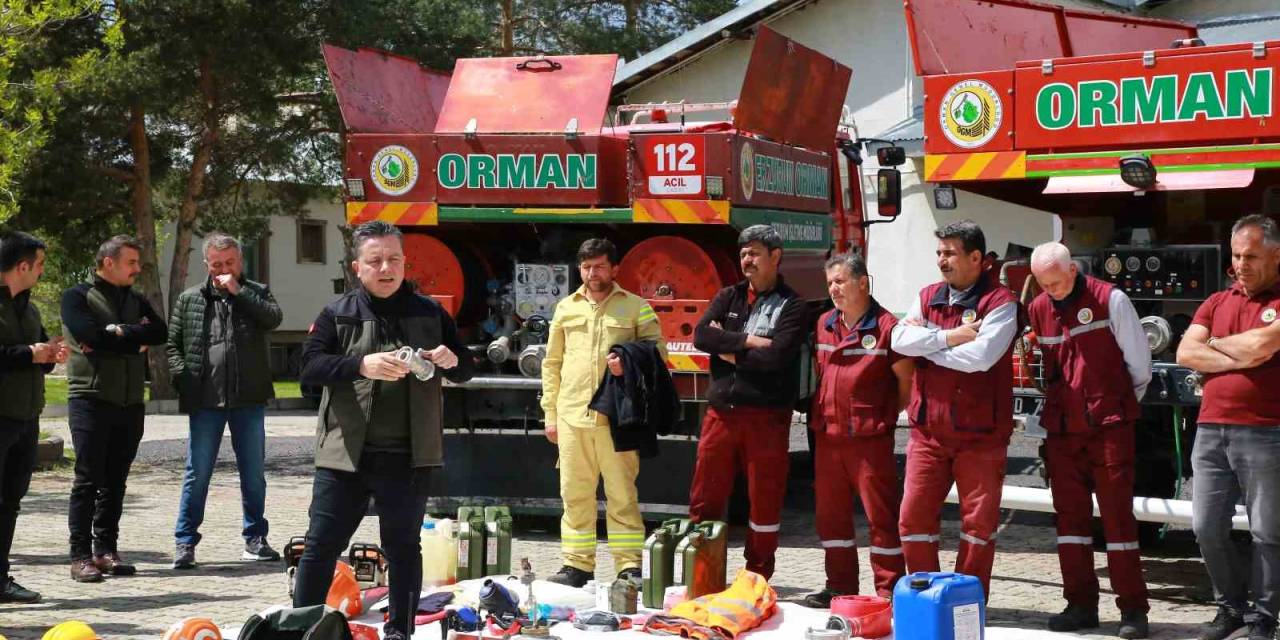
(30, 91)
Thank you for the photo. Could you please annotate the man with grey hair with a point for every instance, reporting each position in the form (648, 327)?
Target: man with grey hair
(218, 357)
(1096, 365)
(1233, 341)
(753, 330)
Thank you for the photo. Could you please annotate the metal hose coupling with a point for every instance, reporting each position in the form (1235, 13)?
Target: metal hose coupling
(421, 367)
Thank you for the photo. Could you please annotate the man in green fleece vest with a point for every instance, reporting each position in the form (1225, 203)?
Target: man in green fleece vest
(108, 327)
(26, 354)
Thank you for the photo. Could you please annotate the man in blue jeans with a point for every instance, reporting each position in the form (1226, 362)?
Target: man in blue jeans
(1233, 341)
(217, 352)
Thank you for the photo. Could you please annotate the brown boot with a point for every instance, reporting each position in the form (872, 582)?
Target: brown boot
(83, 570)
(111, 564)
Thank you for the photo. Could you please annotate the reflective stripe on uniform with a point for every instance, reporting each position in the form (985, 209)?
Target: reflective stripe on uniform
(626, 540)
(1092, 326)
(1050, 339)
(578, 540)
(1122, 546)
(865, 352)
(764, 528)
(646, 314)
(838, 544)
(826, 347)
(1075, 540)
(921, 537)
(973, 539)
(887, 551)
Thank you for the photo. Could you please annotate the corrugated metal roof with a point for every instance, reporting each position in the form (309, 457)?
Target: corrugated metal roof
(702, 37)
(1247, 28)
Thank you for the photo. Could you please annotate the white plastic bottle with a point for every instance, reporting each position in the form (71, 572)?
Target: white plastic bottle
(439, 553)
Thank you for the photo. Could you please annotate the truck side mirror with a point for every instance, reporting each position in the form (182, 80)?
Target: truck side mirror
(889, 192)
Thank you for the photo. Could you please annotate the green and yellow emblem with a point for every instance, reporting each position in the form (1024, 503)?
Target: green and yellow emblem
(394, 170)
(971, 113)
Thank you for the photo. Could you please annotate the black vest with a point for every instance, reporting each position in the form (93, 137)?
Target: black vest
(110, 377)
(22, 388)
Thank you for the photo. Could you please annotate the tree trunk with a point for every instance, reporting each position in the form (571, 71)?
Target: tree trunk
(508, 28)
(632, 10)
(144, 221)
(189, 211)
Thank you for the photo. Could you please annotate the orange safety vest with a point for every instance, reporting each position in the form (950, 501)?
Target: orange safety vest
(747, 602)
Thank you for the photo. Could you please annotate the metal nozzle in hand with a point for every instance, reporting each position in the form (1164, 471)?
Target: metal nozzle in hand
(421, 367)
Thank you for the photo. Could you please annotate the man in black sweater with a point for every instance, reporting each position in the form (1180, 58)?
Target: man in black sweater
(753, 331)
(108, 327)
(26, 354)
(379, 432)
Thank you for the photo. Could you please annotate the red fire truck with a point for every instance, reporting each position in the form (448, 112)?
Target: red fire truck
(498, 171)
(1145, 142)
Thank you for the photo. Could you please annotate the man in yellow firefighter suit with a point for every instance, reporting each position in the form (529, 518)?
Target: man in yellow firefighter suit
(586, 324)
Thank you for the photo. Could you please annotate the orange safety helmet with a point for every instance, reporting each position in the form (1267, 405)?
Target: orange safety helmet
(344, 591)
(193, 629)
(362, 631)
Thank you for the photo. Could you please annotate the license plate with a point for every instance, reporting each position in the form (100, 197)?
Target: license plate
(1027, 405)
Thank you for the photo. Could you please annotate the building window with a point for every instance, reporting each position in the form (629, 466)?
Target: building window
(256, 260)
(311, 241)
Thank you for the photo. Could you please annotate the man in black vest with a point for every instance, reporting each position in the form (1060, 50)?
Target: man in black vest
(108, 326)
(379, 432)
(26, 354)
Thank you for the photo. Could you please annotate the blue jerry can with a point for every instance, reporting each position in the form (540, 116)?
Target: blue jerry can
(938, 606)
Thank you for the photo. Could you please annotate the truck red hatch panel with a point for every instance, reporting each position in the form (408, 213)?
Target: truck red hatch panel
(791, 94)
(966, 36)
(380, 92)
(529, 95)
(1094, 33)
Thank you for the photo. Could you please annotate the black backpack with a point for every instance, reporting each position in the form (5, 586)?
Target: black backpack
(305, 623)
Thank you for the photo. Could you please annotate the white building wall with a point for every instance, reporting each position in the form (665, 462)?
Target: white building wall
(870, 37)
(302, 289)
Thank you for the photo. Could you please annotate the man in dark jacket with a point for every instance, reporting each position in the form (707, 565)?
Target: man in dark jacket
(218, 357)
(108, 327)
(26, 354)
(754, 331)
(380, 429)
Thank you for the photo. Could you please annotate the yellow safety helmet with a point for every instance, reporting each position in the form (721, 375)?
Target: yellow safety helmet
(71, 630)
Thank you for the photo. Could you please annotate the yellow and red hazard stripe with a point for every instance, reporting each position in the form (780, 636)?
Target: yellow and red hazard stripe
(686, 362)
(998, 165)
(405, 214)
(680, 211)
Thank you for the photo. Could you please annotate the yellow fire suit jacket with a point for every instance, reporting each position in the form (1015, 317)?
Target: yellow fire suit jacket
(581, 334)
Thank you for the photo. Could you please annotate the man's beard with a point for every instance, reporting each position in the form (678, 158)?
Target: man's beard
(598, 286)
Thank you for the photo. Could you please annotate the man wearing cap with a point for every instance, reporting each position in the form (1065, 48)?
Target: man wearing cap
(1096, 365)
(961, 332)
(1233, 340)
(753, 330)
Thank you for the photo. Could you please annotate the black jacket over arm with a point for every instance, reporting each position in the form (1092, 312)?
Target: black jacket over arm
(641, 403)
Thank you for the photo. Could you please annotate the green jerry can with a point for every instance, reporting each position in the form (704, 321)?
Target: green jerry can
(700, 559)
(658, 556)
(497, 534)
(470, 542)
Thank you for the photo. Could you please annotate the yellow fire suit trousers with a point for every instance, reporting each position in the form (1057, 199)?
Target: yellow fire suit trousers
(586, 455)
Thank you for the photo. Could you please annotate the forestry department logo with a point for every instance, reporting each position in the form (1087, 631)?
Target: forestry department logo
(394, 170)
(1085, 316)
(868, 342)
(971, 113)
(747, 170)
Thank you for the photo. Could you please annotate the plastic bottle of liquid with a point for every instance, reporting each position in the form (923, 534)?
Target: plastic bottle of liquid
(439, 553)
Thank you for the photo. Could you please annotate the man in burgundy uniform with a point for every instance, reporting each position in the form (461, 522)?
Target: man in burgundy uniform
(1233, 341)
(862, 385)
(753, 331)
(1096, 367)
(961, 331)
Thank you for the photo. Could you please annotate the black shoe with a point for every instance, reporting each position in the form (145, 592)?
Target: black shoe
(184, 556)
(633, 574)
(1133, 624)
(1224, 624)
(256, 548)
(1074, 618)
(820, 599)
(14, 592)
(1263, 628)
(570, 577)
